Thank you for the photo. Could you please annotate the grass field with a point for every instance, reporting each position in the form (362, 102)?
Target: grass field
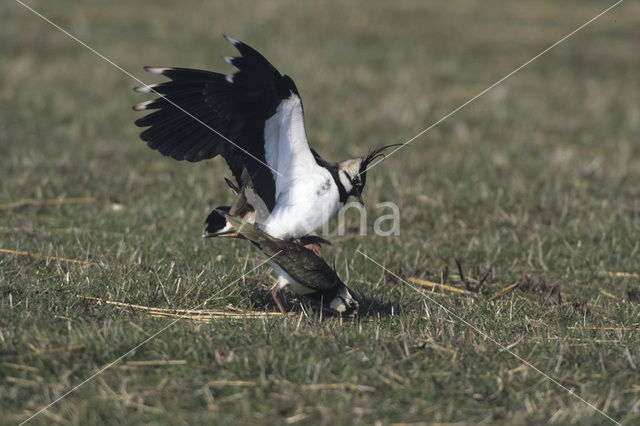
(537, 180)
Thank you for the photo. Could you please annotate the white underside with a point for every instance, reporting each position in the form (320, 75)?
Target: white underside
(285, 280)
(307, 206)
(227, 227)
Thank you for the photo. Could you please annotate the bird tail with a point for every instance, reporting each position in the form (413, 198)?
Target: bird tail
(344, 302)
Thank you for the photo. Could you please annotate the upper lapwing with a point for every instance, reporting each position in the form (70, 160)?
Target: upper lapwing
(254, 120)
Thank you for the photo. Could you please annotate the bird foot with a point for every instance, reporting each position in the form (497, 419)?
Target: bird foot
(275, 293)
(315, 248)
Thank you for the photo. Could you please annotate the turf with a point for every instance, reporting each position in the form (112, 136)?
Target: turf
(536, 182)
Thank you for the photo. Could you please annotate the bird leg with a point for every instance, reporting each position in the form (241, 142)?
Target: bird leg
(315, 248)
(275, 293)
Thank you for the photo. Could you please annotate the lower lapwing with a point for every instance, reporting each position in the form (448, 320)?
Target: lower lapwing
(299, 269)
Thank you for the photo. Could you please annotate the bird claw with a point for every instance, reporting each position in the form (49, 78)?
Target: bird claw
(315, 248)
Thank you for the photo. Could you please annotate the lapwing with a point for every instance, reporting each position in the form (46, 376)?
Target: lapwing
(299, 269)
(254, 119)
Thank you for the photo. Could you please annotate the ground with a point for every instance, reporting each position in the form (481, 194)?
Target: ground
(536, 182)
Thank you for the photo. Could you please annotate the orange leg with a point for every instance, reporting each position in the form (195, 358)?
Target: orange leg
(275, 293)
(315, 248)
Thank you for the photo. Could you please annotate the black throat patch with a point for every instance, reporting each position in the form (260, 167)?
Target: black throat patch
(335, 174)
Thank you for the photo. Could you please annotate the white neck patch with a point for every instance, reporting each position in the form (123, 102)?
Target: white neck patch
(348, 169)
(345, 180)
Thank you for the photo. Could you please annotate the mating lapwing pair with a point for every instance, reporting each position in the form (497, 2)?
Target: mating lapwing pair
(254, 119)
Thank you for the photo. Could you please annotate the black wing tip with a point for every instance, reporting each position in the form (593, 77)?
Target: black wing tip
(147, 88)
(157, 70)
(232, 40)
(142, 105)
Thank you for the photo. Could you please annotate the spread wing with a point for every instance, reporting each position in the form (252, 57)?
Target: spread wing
(253, 118)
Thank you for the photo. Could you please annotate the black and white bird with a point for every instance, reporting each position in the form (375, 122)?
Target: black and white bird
(300, 269)
(254, 119)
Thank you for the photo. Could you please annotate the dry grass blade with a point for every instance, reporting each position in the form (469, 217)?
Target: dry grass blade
(69, 230)
(191, 314)
(604, 328)
(338, 386)
(19, 366)
(621, 274)
(607, 294)
(54, 202)
(223, 383)
(431, 284)
(153, 363)
(216, 315)
(508, 289)
(22, 382)
(308, 387)
(577, 340)
(56, 258)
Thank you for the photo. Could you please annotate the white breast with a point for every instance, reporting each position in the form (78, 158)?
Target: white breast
(311, 202)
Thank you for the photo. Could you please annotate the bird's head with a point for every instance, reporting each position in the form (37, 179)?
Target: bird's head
(353, 172)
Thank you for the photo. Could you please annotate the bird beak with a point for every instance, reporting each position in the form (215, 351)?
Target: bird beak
(230, 235)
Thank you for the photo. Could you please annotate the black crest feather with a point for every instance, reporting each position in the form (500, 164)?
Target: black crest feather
(373, 155)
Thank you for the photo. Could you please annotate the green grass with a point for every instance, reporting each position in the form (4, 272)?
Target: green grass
(537, 178)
